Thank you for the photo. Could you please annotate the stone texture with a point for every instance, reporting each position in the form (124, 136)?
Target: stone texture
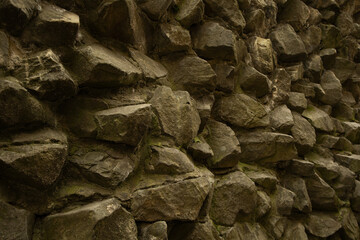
(321, 225)
(284, 201)
(295, 13)
(153, 231)
(154, 10)
(197, 230)
(297, 101)
(297, 185)
(281, 119)
(303, 133)
(190, 12)
(265, 179)
(253, 81)
(262, 54)
(319, 119)
(311, 38)
(332, 88)
(171, 38)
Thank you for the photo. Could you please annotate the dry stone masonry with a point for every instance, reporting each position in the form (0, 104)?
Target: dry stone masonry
(179, 119)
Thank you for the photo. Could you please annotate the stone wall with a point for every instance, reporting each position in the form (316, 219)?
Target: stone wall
(179, 119)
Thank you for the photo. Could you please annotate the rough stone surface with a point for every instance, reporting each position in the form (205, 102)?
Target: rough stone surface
(281, 119)
(190, 12)
(253, 81)
(321, 225)
(319, 119)
(262, 54)
(303, 133)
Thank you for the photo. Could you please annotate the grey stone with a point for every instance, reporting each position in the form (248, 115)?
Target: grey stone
(355, 199)
(295, 230)
(349, 224)
(281, 86)
(262, 54)
(200, 150)
(325, 165)
(263, 204)
(246, 230)
(190, 12)
(304, 86)
(319, 119)
(311, 38)
(281, 119)
(332, 87)
(297, 185)
(321, 225)
(153, 231)
(265, 179)
(253, 81)
(296, 71)
(297, 101)
(301, 167)
(296, 13)
(225, 77)
(155, 10)
(171, 38)
(352, 131)
(303, 133)
(284, 200)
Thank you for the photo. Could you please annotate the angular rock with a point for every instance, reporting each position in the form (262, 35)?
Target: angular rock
(304, 86)
(296, 71)
(53, 27)
(352, 131)
(321, 225)
(105, 219)
(225, 77)
(263, 204)
(98, 66)
(303, 133)
(350, 161)
(177, 116)
(344, 184)
(253, 81)
(301, 167)
(126, 124)
(328, 56)
(319, 119)
(349, 224)
(245, 230)
(211, 40)
(295, 13)
(264, 179)
(313, 68)
(311, 38)
(171, 38)
(355, 200)
(153, 231)
(284, 201)
(287, 44)
(155, 10)
(197, 230)
(223, 143)
(200, 150)
(281, 86)
(242, 111)
(191, 73)
(170, 161)
(297, 185)
(262, 54)
(281, 119)
(275, 225)
(330, 37)
(174, 201)
(332, 87)
(256, 22)
(240, 194)
(325, 166)
(190, 12)
(44, 75)
(343, 69)
(266, 147)
(343, 111)
(15, 223)
(295, 230)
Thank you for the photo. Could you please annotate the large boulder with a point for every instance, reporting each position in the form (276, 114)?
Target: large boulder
(242, 111)
(262, 54)
(105, 219)
(177, 114)
(319, 119)
(233, 193)
(303, 133)
(190, 12)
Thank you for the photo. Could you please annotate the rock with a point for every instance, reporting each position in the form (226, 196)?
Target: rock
(44, 75)
(297, 101)
(275, 226)
(53, 27)
(328, 56)
(211, 40)
(121, 20)
(173, 201)
(343, 69)
(242, 111)
(266, 147)
(281, 119)
(355, 199)
(171, 38)
(153, 231)
(253, 81)
(262, 54)
(104, 164)
(177, 116)
(223, 143)
(287, 44)
(14, 15)
(297, 185)
(352, 131)
(303, 133)
(170, 161)
(296, 13)
(228, 10)
(225, 80)
(263, 204)
(350, 161)
(151, 69)
(296, 71)
(19, 107)
(311, 38)
(155, 10)
(245, 230)
(330, 37)
(191, 73)
(264, 179)
(284, 200)
(349, 224)
(281, 85)
(304, 86)
(256, 22)
(190, 12)
(105, 219)
(197, 230)
(332, 87)
(204, 105)
(344, 184)
(200, 150)
(325, 165)
(343, 111)
(321, 225)
(327, 141)
(295, 230)
(319, 119)
(314, 68)
(15, 223)
(98, 66)
(240, 194)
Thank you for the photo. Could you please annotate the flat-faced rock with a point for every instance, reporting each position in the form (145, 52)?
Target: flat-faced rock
(262, 54)
(190, 12)
(296, 13)
(319, 119)
(172, 38)
(321, 225)
(281, 119)
(155, 10)
(297, 185)
(196, 230)
(154, 231)
(311, 38)
(332, 88)
(251, 80)
(303, 133)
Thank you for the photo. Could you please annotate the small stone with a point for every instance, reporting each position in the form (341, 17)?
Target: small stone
(194, 230)
(343, 69)
(296, 13)
(311, 38)
(332, 88)
(295, 230)
(284, 200)
(321, 225)
(190, 12)
(172, 38)
(303, 133)
(262, 54)
(330, 37)
(301, 167)
(314, 68)
(200, 150)
(319, 119)
(297, 101)
(263, 204)
(153, 231)
(265, 179)
(281, 119)
(253, 81)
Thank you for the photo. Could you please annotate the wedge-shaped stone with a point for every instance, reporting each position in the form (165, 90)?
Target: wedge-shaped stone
(124, 124)
(242, 111)
(155, 10)
(253, 81)
(350, 161)
(332, 88)
(262, 54)
(97, 66)
(190, 12)
(352, 131)
(297, 185)
(172, 38)
(296, 13)
(175, 201)
(321, 225)
(303, 133)
(281, 119)
(105, 219)
(319, 119)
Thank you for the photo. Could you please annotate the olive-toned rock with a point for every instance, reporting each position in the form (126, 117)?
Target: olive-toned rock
(296, 13)
(311, 38)
(301, 167)
(319, 119)
(332, 88)
(155, 10)
(321, 225)
(263, 204)
(246, 230)
(253, 81)
(284, 200)
(105, 219)
(281, 86)
(297, 185)
(352, 131)
(355, 199)
(295, 230)
(153, 231)
(343, 69)
(262, 54)
(171, 38)
(267, 180)
(281, 119)
(303, 133)
(190, 12)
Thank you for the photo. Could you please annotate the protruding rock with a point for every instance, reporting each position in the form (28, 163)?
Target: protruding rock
(200, 150)
(297, 101)
(330, 37)
(301, 167)
(281, 86)
(281, 119)
(265, 179)
(321, 225)
(314, 68)
(332, 87)
(242, 111)
(284, 201)
(296, 13)
(241, 196)
(263, 204)
(319, 119)
(155, 10)
(297, 185)
(190, 12)
(124, 124)
(262, 54)
(171, 38)
(343, 69)
(311, 38)
(153, 231)
(303, 133)
(352, 131)
(253, 81)
(295, 230)
(105, 219)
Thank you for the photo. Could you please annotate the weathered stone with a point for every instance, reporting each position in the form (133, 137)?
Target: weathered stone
(172, 38)
(240, 194)
(296, 13)
(191, 73)
(314, 68)
(287, 44)
(275, 225)
(319, 119)
(211, 40)
(197, 230)
(15, 223)
(296, 71)
(44, 75)
(253, 81)
(350, 161)
(264, 179)
(223, 143)
(281, 85)
(352, 131)
(327, 141)
(190, 12)
(303, 133)
(281, 119)
(332, 87)
(355, 200)
(297, 102)
(343, 111)
(98, 66)
(330, 37)
(295, 230)
(349, 224)
(297, 185)
(200, 150)
(105, 219)
(324, 165)
(245, 230)
(301, 167)
(321, 225)
(262, 54)
(343, 69)
(166, 160)
(328, 56)
(225, 80)
(266, 147)
(174, 201)
(344, 184)
(177, 116)
(14, 15)
(263, 204)
(204, 105)
(304, 86)
(284, 200)
(256, 22)
(53, 27)
(155, 10)
(124, 124)
(228, 10)
(311, 38)
(242, 111)
(153, 231)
